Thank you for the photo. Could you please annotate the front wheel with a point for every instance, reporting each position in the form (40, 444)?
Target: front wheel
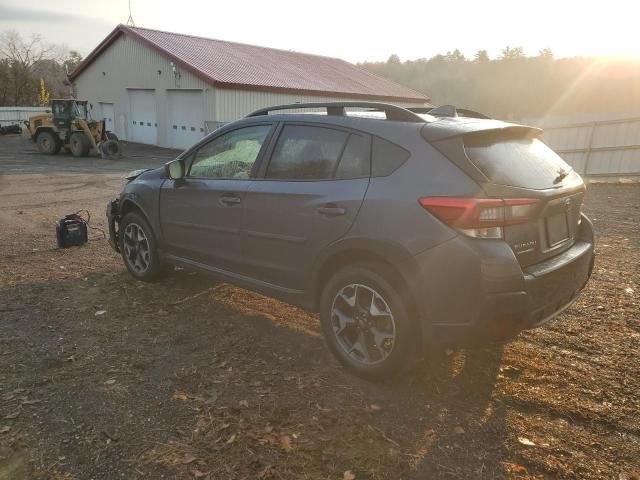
(138, 248)
(111, 149)
(365, 322)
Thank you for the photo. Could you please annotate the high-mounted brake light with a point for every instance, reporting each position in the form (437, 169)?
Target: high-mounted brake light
(480, 217)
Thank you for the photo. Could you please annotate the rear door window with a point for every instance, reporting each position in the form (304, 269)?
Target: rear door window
(356, 158)
(305, 152)
(517, 161)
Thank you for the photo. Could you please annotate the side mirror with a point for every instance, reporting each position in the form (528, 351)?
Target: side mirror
(175, 169)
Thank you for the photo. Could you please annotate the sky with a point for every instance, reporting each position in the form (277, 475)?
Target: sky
(353, 30)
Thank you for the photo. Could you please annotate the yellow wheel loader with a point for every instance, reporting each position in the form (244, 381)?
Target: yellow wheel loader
(68, 125)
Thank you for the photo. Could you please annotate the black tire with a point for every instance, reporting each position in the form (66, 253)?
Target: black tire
(111, 149)
(112, 136)
(154, 266)
(79, 144)
(48, 143)
(372, 277)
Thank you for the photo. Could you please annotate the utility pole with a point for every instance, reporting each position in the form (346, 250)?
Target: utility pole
(130, 21)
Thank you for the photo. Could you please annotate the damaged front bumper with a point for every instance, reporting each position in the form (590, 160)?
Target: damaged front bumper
(113, 220)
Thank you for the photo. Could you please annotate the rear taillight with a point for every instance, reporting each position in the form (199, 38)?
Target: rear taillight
(480, 217)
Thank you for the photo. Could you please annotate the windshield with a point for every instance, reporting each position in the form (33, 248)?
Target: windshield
(80, 110)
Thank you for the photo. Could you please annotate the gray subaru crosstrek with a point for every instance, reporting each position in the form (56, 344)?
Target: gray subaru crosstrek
(406, 231)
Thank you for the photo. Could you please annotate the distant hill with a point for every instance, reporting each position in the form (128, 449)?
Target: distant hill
(516, 86)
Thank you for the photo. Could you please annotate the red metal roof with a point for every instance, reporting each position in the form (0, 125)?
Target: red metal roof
(248, 67)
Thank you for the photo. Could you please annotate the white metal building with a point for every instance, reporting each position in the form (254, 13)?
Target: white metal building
(170, 89)
(604, 145)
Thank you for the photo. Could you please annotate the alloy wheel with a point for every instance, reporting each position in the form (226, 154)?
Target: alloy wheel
(363, 324)
(136, 248)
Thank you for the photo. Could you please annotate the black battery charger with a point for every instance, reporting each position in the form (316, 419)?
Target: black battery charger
(71, 231)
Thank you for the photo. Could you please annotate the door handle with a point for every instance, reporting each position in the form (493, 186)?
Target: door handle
(331, 210)
(230, 200)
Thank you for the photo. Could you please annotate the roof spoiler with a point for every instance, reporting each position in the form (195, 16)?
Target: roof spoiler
(434, 132)
(393, 112)
(449, 111)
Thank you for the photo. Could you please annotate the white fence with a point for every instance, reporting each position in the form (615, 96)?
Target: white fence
(602, 147)
(13, 115)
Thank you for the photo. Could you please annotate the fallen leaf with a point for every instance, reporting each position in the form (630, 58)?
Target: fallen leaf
(526, 441)
(244, 403)
(348, 475)
(198, 474)
(110, 382)
(110, 435)
(188, 459)
(232, 439)
(180, 396)
(100, 312)
(268, 472)
(459, 430)
(375, 407)
(5, 429)
(510, 370)
(13, 415)
(517, 468)
(30, 402)
(285, 443)
(268, 438)
(629, 476)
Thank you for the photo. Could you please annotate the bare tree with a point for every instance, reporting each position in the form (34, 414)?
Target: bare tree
(20, 57)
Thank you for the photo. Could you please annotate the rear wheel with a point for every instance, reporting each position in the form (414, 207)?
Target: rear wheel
(79, 144)
(365, 321)
(48, 143)
(138, 248)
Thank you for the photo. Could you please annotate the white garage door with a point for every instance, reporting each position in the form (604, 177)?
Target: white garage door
(143, 119)
(185, 122)
(107, 114)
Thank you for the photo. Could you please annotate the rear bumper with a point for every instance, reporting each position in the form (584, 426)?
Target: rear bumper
(493, 298)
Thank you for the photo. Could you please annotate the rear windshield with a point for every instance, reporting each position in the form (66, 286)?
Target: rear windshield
(516, 161)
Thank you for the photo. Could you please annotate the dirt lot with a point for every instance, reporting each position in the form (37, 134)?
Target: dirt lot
(103, 378)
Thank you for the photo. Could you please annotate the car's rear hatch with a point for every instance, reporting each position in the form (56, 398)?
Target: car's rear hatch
(511, 162)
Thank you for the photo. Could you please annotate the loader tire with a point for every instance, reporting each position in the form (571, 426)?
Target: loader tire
(79, 145)
(48, 143)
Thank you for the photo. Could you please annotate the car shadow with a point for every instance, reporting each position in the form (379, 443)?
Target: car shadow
(190, 344)
(462, 435)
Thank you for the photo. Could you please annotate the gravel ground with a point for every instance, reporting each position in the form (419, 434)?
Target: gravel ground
(103, 378)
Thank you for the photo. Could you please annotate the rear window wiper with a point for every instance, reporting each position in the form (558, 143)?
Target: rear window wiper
(562, 174)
